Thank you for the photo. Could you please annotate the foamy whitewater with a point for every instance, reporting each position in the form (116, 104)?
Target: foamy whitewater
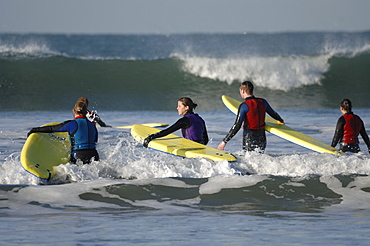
(136, 195)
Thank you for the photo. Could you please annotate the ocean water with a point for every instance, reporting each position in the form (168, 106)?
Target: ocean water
(136, 195)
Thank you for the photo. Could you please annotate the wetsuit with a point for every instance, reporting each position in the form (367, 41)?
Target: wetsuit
(193, 128)
(252, 114)
(349, 126)
(83, 135)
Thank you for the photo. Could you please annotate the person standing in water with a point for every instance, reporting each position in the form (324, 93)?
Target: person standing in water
(82, 132)
(349, 126)
(192, 125)
(252, 113)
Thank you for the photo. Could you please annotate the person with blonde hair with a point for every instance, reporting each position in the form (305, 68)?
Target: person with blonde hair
(82, 132)
(192, 125)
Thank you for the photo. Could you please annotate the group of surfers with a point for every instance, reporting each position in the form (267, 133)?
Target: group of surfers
(251, 115)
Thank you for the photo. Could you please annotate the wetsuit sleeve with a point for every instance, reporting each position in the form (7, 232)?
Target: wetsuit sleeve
(183, 122)
(272, 112)
(338, 134)
(68, 126)
(364, 136)
(242, 110)
(48, 129)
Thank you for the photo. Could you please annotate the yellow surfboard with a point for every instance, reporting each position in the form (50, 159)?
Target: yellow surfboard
(43, 151)
(286, 132)
(146, 124)
(175, 145)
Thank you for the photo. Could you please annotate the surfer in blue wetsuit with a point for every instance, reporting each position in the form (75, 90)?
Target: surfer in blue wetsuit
(349, 126)
(83, 134)
(252, 113)
(192, 125)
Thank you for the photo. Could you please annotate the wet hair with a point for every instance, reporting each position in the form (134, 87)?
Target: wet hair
(80, 108)
(247, 86)
(83, 99)
(186, 101)
(346, 104)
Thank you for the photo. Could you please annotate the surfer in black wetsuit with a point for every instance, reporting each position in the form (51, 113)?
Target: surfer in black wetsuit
(349, 126)
(192, 125)
(252, 113)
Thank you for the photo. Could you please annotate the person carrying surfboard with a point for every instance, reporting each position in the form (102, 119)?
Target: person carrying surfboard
(348, 127)
(252, 113)
(92, 115)
(192, 125)
(83, 134)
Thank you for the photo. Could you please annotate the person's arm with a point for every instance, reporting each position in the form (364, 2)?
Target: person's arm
(338, 134)
(48, 129)
(365, 137)
(181, 123)
(272, 112)
(242, 110)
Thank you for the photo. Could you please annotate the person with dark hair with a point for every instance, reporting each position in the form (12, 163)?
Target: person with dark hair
(92, 115)
(192, 125)
(251, 113)
(349, 126)
(82, 132)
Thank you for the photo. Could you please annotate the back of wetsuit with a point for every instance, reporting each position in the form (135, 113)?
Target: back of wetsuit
(85, 135)
(196, 129)
(351, 128)
(255, 117)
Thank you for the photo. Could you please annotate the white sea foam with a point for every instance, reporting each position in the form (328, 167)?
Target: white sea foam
(281, 73)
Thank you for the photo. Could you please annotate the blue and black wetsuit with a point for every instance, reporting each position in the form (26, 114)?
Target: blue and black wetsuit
(193, 128)
(252, 113)
(83, 135)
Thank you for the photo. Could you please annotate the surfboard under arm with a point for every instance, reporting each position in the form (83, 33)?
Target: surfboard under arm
(286, 132)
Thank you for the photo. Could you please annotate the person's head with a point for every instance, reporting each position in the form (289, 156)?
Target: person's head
(246, 87)
(346, 105)
(185, 105)
(80, 108)
(83, 99)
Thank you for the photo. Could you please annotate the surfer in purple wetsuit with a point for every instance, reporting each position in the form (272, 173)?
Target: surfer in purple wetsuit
(192, 125)
(252, 113)
(349, 126)
(92, 115)
(82, 132)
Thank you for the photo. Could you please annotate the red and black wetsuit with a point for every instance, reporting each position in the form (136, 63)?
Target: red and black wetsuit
(349, 126)
(252, 113)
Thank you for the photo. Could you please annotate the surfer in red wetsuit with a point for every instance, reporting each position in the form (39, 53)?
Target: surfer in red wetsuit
(252, 113)
(192, 125)
(349, 126)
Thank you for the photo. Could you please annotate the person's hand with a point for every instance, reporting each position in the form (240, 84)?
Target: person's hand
(281, 123)
(147, 140)
(221, 146)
